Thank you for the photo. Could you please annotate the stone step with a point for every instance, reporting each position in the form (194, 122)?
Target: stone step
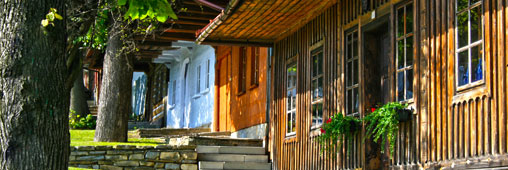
(234, 165)
(164, 132)
(231, 150)
(232, 157)
(214, 141)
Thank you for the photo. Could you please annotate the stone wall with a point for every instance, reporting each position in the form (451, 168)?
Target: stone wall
(124, 157)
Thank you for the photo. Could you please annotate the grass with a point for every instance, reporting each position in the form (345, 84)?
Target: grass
(85, 138)
(72, 168)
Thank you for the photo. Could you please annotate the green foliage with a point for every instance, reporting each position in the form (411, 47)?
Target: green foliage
(97, 35)
(339, 128)
(382, 124)
(158, 10)
(50, 18)
(87, 122)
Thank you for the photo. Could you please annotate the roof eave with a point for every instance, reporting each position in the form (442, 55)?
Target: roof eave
(203, 33)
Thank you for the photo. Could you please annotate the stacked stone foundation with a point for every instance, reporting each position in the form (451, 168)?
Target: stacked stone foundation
(124, 157)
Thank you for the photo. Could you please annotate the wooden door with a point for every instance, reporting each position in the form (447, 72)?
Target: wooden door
(223, 109)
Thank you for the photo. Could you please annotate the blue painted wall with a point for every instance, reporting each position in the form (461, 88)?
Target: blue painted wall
(191, 107)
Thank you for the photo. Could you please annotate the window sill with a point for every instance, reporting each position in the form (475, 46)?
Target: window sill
(171, 107)
(205, 91)
(315, 130)
(240, 93)
(290, 138)
(196, 96)
(470, 86)
(471, 93)
(253, 86)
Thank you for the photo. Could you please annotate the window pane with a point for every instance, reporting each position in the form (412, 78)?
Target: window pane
(409, 51)
(400, 22)
(355, 48)
(317, 112)
(349, 101)
(349, 52)
(476, 63)
(462, 29)
(314, 87)
(409, 84)
(293, 121)
(320, 87)
(476, 24)
(356, 102)
(409, 18)
(349, 74)
(355, 72)
(293, 107)
(320, 62)
(289, 123)
(463, 76)
(461, 4)
(400, 86)
(400, 54)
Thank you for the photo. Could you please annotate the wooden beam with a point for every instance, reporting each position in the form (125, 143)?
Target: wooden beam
(203, 18)
(188, 22)
(180, 30)
(237, 43)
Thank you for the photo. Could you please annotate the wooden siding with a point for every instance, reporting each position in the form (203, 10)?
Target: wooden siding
(464, 128)
(235, 111)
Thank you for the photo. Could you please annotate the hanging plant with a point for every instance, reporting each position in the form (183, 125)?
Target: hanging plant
(338, 128)
(382, 123)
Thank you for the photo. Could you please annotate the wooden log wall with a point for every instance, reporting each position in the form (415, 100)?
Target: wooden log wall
(466, 129)
(303, 151)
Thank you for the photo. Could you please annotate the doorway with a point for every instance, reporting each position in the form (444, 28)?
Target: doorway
(377, 62)
(222, 119)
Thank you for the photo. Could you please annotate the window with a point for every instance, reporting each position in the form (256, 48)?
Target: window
(317, 86)
(404, 54)
(242, 70)
(254, 67)
(207, 74)
(469, 53)
(173, 94)
(198, 83)
(352, 73)
(291, 99)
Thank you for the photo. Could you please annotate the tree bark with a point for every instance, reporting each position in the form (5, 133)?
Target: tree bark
(34, 102)
(115, 95)
(78, 97)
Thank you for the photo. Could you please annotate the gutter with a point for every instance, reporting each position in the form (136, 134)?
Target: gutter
(202, 34)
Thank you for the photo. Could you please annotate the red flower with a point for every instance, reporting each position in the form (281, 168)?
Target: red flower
(329, 120)
(323, 131)
(372, 109)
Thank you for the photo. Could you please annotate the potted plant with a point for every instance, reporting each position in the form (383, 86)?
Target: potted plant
(338, 128)
(382, 123)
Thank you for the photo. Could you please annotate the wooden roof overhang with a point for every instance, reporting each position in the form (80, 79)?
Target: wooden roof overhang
(260, 22)
(192, 16)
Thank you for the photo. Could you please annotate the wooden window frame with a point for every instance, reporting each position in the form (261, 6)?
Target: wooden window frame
(254, 65)
(405, 68)
(347, 60)
(242, 69)
(470, 85)
(314, 51)
(290, 63)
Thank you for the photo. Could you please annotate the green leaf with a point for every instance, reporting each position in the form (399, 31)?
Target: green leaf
(122, 2)
(161, 18)
(59, 17)
(50, 16)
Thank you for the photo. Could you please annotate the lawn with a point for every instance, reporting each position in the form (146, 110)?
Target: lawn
(85, 138)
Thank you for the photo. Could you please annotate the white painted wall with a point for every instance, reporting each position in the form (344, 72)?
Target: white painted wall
(191, 108)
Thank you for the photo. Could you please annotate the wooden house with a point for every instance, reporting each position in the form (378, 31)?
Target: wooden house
(240, 91)
(446, 58)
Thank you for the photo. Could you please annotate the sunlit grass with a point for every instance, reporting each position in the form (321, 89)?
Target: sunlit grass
(85, 138)
(72, 168)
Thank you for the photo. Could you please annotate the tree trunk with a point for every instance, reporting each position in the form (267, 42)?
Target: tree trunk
(78, 97)
(115, 95)
(34, 102)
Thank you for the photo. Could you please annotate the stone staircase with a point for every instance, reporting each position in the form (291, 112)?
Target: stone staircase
(232, 157)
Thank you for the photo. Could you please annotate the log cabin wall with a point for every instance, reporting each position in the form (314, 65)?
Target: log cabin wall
(451, 127)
